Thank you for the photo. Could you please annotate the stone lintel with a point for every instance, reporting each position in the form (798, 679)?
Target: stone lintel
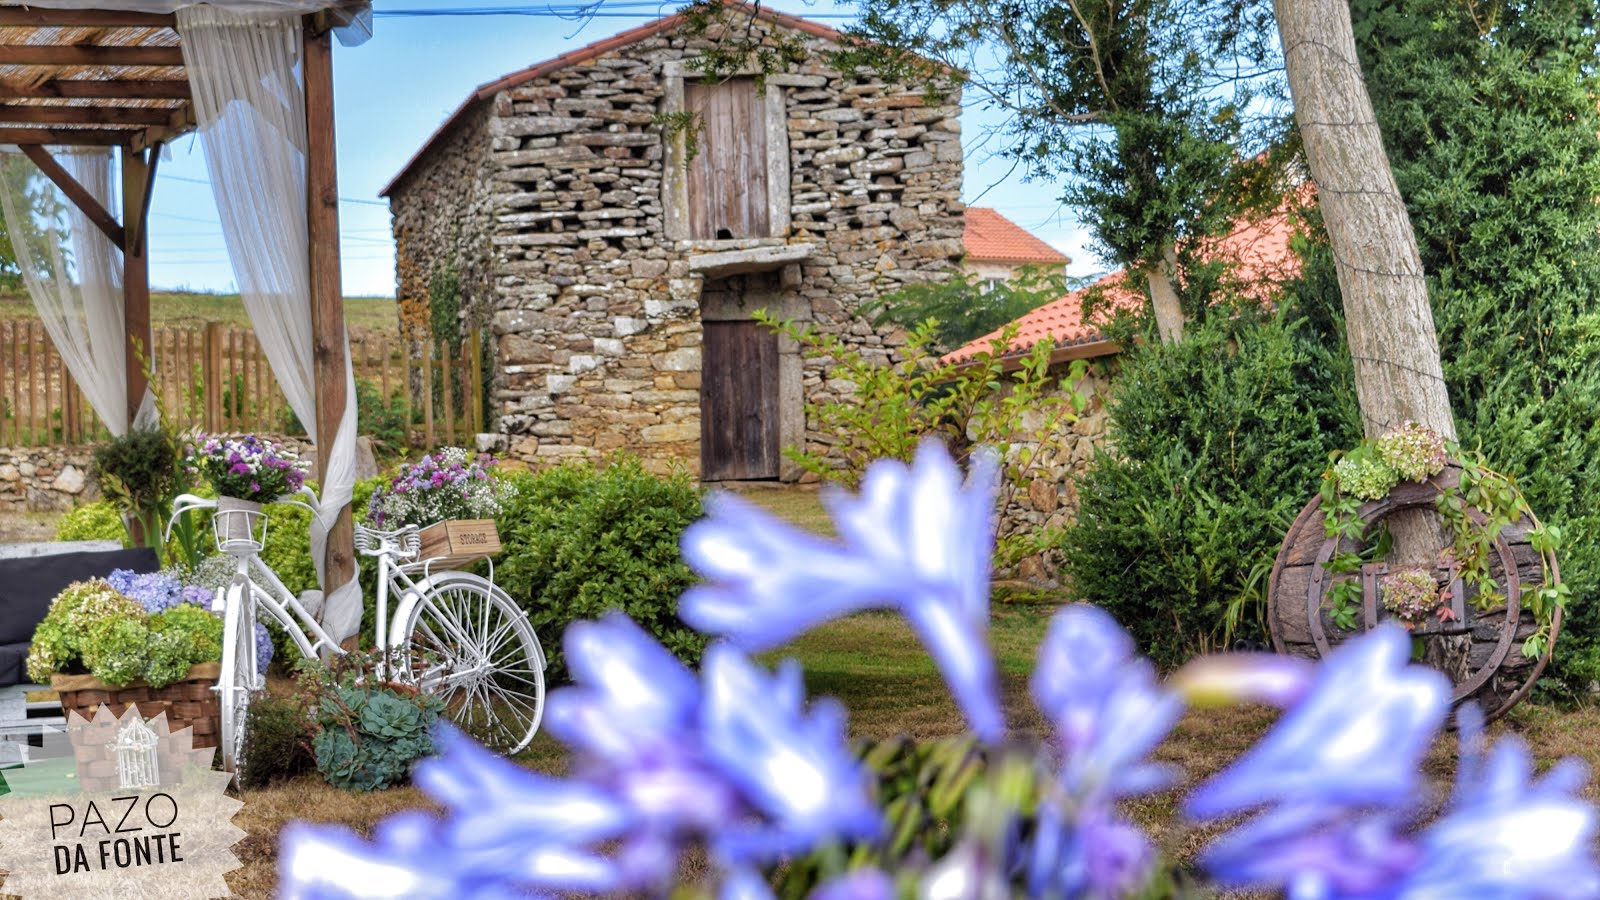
(755, 259)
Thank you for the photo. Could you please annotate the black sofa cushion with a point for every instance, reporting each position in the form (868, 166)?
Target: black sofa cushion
(28, 585)
(14, 664)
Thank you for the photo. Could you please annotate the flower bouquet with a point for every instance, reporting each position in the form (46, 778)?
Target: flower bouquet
(452, 499)
(246, 472)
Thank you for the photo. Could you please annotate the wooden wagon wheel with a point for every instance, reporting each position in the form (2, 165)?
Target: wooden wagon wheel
(1298, 591)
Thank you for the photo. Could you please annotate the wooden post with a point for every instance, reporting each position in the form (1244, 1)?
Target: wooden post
(427, 394)
(447, 391)
(475, 367)
(137, 178)
(327, 298)
(405, 391)
(211, 376)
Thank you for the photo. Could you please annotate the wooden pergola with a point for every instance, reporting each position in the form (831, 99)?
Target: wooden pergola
(116, 78)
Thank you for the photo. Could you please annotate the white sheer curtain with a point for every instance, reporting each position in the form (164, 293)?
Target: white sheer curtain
(74, 275)
(244, 72)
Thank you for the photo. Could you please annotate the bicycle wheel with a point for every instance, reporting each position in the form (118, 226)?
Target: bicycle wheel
(238, 680)
(469, 644)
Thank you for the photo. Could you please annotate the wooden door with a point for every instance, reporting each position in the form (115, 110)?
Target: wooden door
(727, 179)
(739, 402)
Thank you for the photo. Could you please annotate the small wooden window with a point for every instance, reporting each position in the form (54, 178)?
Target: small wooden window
(727, 179)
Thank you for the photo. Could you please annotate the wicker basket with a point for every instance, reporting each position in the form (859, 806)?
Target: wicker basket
(190, 703)
(458, 543)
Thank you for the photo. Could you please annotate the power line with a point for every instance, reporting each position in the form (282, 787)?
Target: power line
(341, 199)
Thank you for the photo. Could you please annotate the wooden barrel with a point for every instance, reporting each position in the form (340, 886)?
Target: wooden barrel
(1481, 650)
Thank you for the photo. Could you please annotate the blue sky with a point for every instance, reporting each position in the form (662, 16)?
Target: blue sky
(393, 91)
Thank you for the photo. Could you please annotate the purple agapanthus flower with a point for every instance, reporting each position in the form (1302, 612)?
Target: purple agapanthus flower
(731, 759)
(1356, 738)
(914, 540)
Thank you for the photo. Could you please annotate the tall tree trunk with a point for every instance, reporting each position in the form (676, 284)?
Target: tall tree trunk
(1164, 297)
(1387, 319)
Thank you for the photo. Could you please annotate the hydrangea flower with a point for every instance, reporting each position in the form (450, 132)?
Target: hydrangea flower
(914, 540)
(1413, 451)
(155, 591)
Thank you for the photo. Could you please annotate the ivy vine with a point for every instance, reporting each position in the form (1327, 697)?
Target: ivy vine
(1415, 454)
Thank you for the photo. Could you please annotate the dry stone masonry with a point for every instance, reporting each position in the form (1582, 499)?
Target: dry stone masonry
(562, 203)
(45, 479)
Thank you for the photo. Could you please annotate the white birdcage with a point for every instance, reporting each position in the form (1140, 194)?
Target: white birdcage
(137, 763)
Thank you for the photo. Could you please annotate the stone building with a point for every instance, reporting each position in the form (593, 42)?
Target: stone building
(619, 271)
(996, 247)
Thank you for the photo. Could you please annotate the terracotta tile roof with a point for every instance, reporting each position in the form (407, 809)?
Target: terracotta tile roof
(991, 237)
(487, 90)
(1259, 251)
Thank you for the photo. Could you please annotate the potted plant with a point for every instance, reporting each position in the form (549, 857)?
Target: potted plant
(451, 498)
(139, 472)
(245, 472)
(98, 645)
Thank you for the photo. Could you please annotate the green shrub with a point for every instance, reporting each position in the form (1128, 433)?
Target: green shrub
(97, 521)
(1490, 123)
(280, 741)
(1218, 444)
(582, 539)
(367, 733)
(141, 472)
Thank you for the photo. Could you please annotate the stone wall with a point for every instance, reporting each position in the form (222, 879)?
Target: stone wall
(45, 479)
(597, 296)
(1051, 497)
(452, 228)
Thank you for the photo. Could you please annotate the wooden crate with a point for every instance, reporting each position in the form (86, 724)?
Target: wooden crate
(457, 543)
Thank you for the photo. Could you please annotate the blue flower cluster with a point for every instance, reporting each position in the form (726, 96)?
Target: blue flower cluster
(155, 591)
(1329, 805)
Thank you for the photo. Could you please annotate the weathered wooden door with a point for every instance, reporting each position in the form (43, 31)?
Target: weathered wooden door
(738, 402)
(727, 179)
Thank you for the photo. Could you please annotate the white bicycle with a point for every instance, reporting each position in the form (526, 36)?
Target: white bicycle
(460, 637)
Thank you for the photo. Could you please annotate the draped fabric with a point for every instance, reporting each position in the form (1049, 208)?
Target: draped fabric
(73, 273)
(245, 76)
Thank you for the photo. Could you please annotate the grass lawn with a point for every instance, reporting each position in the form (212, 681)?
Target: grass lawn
(174, 309)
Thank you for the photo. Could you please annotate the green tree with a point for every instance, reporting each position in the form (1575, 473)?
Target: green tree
(967, 306)
(1124, 101)
(1489, 117)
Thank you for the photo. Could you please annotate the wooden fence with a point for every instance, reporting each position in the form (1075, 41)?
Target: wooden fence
(215, 378)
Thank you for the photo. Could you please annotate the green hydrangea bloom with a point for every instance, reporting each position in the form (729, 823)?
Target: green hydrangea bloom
(1364, 477)
(171, 655)
(117, 650)
(199, 629)
(58, 641)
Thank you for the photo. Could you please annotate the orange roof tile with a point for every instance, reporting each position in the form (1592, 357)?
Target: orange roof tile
(991, 237)
(1259, 251)
(598, 48)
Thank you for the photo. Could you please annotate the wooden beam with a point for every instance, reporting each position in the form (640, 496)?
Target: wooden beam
(19, 17)
(88, 55)
(72, 137)
(137, 226)
(84, 89)
(80, 196)
(329, 346)
(179, 121)
(137, 174)
(84, 115)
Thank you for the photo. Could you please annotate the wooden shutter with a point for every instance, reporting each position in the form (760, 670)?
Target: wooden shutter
(728, 176)
(739, 402)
